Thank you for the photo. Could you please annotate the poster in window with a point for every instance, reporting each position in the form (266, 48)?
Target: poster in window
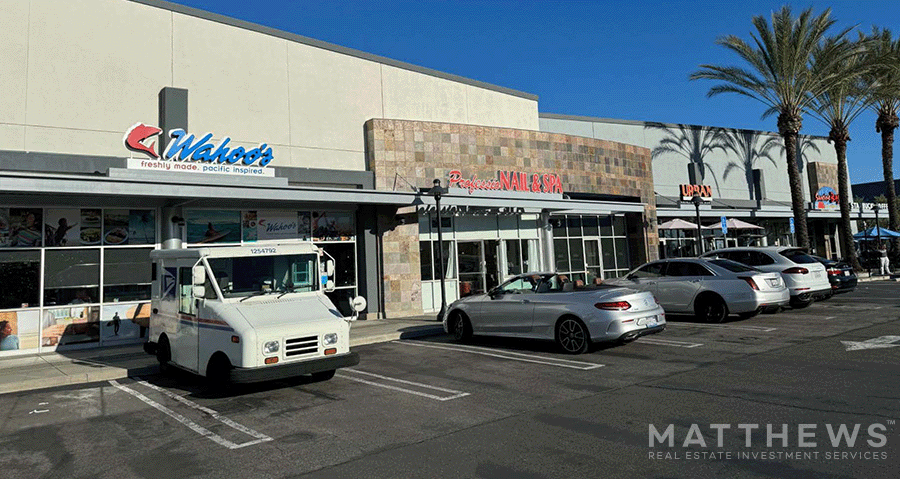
(213, 226)
(123, 323)
(19, 330)
(273, 225)
(305, 225)
(5, 234)
(115, 227)
(70, 325)
(332, 226)
(25, 227)
(248, 225)
(141, 227)
(91, 226)
(62, 227)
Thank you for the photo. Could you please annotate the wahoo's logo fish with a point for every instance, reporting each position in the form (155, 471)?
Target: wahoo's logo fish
(135, 136)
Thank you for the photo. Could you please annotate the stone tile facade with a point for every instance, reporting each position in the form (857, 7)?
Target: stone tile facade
(403, 153)
(821, 174)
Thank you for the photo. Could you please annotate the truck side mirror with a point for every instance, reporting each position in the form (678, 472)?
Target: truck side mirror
(198, 292)
(199, 275)
(329, 286)
(329, 268)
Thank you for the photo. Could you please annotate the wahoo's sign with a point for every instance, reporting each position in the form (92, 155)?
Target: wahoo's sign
(185, 147)
(688, 192)
(508, 181)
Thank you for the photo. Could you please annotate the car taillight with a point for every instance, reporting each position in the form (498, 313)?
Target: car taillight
(613, 305)
(796, 270)
(834, 272)
(751, 283)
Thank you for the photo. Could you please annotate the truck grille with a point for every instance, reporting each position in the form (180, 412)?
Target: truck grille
(301, 346)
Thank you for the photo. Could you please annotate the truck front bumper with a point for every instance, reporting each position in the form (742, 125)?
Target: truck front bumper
(281, 371)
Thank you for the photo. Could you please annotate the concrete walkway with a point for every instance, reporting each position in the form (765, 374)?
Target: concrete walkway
(39, 371)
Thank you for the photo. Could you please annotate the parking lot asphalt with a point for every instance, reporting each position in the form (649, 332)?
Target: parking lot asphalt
(429, 407)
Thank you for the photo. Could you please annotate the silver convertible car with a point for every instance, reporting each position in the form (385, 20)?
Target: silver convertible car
(549, 306)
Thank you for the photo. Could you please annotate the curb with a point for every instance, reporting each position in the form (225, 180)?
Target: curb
(434, 330)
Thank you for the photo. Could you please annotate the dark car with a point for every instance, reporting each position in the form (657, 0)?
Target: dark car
(840, 275)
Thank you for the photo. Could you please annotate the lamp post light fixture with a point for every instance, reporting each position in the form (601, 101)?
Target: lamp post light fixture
(437, 191)
(697, 201)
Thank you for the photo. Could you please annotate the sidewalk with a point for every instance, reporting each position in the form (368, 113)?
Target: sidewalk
(39, 371)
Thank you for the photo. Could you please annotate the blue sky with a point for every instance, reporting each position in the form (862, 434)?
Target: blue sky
(617, 59)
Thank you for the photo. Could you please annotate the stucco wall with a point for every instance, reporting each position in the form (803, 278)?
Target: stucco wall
(76, 75)
(420, 151)
(727, 155)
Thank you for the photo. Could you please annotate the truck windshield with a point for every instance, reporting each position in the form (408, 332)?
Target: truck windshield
(252, 275)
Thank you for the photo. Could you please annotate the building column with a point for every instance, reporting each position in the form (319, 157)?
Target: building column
(549, 257)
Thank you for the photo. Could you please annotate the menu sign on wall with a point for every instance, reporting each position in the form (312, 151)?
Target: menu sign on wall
(508, 181)
(826, 199)
(186, 153)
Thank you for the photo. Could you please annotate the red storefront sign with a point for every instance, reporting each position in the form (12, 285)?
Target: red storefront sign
(509, 181)
(688, 192)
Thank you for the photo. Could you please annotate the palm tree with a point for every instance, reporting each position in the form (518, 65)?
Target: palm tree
(747, 146)
(693, 144)
(838, 107)
(780, 76)
(884, 54)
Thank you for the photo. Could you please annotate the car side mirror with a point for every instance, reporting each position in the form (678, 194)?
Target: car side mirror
(329, 286)
(329, 268)
(198, 292)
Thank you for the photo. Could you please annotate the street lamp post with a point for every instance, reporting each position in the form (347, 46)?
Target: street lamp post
(877, 227)
(437, 191)
(697, 201)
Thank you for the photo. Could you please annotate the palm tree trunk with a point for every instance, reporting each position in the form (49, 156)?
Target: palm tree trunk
(789, 128)
(886, 123)
(840, 137)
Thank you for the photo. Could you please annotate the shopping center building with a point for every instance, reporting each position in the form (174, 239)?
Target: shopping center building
(132, 125)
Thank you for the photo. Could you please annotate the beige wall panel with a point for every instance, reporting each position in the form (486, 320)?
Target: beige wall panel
(12, 137)
(331, 97)
(67, 140)
(13, 61)
(236, 79)
(491, 108)
(323, 158)
(414, 96)
(96, 71)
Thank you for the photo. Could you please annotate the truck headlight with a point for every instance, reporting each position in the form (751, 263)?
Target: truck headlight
(271, 347)
(329, 339)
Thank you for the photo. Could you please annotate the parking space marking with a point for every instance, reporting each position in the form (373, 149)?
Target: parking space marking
(191, 424)
(761, 329)
(454, 394)
(669, 342)
(563, 363)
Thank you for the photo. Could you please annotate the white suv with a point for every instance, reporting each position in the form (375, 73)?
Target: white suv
(805, 277)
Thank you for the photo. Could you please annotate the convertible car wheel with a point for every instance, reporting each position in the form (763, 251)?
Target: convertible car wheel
(571, 336)
(461, 327)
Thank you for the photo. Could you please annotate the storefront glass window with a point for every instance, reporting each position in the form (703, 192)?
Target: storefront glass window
(344, 255)
(332, 226)
(128, 227)
(21, 276)
(513, 258)
(561, 249)
(71, 276)
(19, 330)
(425, 262)
(70, 326)
(20, 227)
(126, 274)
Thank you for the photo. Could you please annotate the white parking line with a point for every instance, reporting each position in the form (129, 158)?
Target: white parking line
(455, 394)
(563, 363)
(191, 424)
(668, 342)
(724, 326)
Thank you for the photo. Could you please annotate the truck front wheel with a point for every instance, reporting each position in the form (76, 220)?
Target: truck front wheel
(218, 370)
(164, 354)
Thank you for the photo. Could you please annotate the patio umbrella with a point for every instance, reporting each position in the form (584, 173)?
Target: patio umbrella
(678, 224)
(873, 234)
(734, 224)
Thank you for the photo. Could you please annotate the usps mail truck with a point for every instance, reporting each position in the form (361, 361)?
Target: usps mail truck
(248, 313)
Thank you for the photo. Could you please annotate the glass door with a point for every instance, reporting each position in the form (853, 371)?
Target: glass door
(471, 267)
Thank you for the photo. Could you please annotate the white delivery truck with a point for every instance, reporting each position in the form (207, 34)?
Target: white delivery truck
(248, 313)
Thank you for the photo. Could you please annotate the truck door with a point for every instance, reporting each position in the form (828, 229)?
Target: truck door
(186, 342)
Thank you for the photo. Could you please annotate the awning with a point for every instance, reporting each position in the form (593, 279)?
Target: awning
(733, 224)
(678, 224)
(874, 232)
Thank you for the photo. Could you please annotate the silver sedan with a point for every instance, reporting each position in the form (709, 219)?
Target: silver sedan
(549, 306)
(711, 289)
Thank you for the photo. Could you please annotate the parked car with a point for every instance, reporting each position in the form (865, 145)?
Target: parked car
(803, 275)
(841, 276)
(549, 306)
(710, 289)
